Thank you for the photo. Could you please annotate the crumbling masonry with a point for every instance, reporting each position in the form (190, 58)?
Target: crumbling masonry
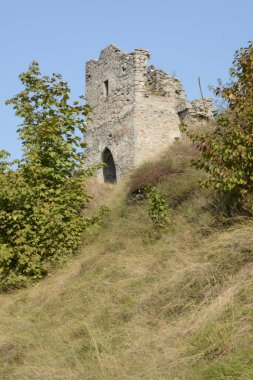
(136, 111)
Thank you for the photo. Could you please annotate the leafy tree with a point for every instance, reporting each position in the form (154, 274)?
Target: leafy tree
(42, 200)
(227, 147)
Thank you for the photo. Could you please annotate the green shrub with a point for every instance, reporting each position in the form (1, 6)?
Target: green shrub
(226, 148)
(158, 210)
(42, 200)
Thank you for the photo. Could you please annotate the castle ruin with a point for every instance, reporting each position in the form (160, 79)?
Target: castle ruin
(136, 111)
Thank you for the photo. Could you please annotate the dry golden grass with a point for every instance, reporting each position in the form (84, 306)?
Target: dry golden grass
(139, 303)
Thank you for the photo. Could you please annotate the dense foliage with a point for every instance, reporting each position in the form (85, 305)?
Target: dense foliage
(42, 199)
(227, 147)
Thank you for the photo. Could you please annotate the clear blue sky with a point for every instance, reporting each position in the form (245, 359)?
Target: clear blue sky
(188, 37)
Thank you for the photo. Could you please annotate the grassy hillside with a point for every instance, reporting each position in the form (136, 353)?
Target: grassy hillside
(140, 302)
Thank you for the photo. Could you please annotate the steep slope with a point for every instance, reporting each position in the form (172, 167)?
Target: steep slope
(139, 302)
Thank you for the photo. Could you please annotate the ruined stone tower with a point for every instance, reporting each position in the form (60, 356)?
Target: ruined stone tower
(136, 111)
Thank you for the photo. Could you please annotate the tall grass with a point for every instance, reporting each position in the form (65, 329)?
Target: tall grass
(139, 302)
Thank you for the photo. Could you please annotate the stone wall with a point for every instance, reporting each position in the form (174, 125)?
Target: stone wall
(156, 114)
(136, 110)
(112, 114)
(197, 112)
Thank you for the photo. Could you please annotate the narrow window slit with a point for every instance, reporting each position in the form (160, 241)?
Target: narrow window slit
(106, 87)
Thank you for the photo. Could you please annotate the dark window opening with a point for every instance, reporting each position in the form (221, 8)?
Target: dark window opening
(106, 88)
(109, 170)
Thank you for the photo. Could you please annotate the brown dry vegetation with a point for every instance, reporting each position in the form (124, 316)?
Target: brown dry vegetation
(138, 302)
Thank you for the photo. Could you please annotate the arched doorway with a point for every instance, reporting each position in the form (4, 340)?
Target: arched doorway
(109, 170)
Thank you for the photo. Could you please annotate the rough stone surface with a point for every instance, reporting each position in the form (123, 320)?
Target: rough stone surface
(136, 109)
